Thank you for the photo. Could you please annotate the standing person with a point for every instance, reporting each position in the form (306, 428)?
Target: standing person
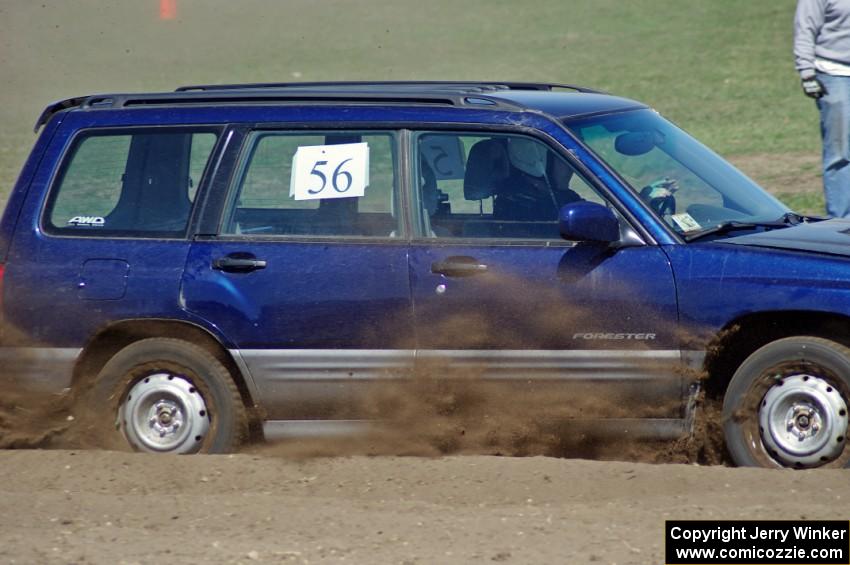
(822, 57)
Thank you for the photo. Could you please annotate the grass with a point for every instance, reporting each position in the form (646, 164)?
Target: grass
(803, 202)
(723, 69)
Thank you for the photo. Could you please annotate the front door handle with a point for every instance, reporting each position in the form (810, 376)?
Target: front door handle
(458, 266)
(238, 263)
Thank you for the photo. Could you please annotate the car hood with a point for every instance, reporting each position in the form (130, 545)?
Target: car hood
(828, 236)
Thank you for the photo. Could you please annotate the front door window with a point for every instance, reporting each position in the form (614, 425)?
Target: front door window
(494, 186)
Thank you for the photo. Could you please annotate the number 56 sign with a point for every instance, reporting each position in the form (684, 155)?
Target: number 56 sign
(330, 171)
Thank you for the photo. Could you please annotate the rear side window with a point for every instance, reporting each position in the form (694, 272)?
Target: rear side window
(340, 183)
(133, 183)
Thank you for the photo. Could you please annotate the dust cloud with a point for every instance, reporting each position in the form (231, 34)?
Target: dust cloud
(436, 407)
(28, 418)
(439, 411)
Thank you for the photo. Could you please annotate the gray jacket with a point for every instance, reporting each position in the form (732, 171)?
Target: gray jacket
(822, 30)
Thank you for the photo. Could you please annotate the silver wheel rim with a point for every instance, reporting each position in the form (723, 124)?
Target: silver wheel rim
(803, 421)
(164, 413)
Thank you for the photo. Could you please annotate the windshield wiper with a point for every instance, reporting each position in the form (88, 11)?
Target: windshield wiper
(793, 218)
(785, 220)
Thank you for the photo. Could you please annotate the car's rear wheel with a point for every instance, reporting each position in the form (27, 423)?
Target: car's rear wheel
(163, 395)
(787, 404)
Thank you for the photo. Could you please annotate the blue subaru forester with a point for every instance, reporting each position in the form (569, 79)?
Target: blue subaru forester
(191, 263)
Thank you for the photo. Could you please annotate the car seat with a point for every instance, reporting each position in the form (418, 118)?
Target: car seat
(155, 190)
(338, 216)
(486, 167)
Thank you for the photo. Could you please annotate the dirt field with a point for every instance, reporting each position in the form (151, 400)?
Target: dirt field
(105, 507)
(445, 501)
(358, 501)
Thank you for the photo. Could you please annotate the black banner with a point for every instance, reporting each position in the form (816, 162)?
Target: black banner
(757, 542)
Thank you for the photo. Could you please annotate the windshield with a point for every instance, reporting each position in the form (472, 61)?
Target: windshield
(689, 186)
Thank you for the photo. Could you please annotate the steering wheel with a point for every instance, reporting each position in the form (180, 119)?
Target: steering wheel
(659, 195)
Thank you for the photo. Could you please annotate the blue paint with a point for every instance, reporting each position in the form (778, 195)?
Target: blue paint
(384, 293)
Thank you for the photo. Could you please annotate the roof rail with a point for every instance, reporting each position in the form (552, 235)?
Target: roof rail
(465, 86)
(446, 93)
(258, 96)
(56, 107)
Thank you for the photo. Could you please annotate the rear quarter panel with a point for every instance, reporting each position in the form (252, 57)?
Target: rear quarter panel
(19, 191)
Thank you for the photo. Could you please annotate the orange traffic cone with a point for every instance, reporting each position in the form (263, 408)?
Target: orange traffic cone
(167, 9)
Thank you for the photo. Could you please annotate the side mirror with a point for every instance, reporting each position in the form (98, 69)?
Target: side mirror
(588, 221)
(637, 142)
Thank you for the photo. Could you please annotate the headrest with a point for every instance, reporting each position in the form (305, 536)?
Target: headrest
(486, 166)
(527, 155)
(340, 139)
(429, 186)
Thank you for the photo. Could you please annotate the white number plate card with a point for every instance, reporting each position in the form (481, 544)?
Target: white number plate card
(330, 171)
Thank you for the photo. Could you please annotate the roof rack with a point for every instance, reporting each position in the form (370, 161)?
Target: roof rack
(56, 107)
(475, 94)
(457, 86)
(247, 96)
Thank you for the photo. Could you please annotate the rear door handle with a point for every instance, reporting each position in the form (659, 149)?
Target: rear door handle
(238, 264)
(458, 266)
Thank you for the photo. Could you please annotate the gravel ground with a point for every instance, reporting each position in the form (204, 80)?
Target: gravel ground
(65, 507)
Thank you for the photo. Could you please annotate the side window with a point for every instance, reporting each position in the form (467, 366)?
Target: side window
(494, 186)
(316, 184)
(135, 184)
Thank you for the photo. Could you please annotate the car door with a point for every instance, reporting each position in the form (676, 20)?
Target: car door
(498, 294)
(308, 282)
(109, 241)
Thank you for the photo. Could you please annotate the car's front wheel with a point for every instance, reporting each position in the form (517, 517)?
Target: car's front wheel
(786, 405)
(163, 395)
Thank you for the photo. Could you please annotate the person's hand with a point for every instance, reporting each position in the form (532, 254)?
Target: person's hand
(812, 87)
(659, 195)
(662, 188)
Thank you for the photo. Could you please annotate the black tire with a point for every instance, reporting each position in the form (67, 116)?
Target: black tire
(801, 361)
(166, 359)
